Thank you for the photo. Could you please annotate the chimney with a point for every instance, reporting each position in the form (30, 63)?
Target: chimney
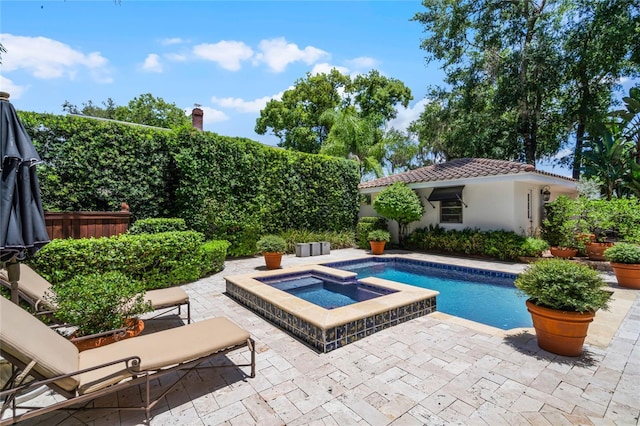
(196, 118)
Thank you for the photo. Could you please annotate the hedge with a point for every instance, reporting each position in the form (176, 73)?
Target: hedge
(367, 224)
(159, 260)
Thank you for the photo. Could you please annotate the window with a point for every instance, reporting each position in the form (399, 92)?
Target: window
(451, 211)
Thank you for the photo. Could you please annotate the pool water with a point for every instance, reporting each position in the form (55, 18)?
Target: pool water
(483, 296)
(325, 293)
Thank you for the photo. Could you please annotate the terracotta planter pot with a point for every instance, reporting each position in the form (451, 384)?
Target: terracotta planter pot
(96, 342)
(627, 274)
(560, 332)
(563, 252)
(377, 247)
(272, 260)
(595, 251)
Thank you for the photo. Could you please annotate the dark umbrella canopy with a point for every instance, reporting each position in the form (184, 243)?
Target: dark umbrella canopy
(22, 225)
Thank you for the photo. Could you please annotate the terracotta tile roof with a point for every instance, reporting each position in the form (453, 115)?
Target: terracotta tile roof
(461, 168)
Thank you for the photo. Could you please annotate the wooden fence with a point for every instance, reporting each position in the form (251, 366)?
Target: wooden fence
(86, 224)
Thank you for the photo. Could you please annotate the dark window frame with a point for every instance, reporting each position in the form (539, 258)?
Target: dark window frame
(451, 211)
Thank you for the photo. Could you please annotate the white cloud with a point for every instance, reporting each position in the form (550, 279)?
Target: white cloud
(325, 68)
(45, 58)
(212, 115)
(241, 105)
(170, 41)
(407, 115)
(363, 62)
(152, 63)
(227, 54)
(12, 89)
(176, 57)
(277, 54)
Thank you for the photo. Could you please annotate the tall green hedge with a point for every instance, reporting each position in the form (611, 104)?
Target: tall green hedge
(227, 188)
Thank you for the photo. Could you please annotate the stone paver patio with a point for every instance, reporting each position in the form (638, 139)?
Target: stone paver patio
(433, 370)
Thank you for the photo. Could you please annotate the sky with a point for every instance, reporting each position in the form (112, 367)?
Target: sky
(228, 57)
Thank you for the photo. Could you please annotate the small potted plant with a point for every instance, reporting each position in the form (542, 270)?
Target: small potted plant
(559, 228)
(102, 308)
(377, 240)
(272, 248)
(625, 261)
(563, 299)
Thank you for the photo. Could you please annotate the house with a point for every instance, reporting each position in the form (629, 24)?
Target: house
(477, 193)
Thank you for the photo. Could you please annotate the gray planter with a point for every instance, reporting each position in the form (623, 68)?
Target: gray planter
(325, 247)
(315, 249)
(303, 249)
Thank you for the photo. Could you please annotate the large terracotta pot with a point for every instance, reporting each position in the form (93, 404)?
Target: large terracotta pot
(563, 252)
(96, 342)
(627, 274)
(272, 260)
(560, 332)
(377, 247)
(595, 251)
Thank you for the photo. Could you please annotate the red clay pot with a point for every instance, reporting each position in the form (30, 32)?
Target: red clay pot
(560, 332)
(272, 260)
(96, 342)
(563, 252)
(377, 247)
(627, 274)
(595, 251)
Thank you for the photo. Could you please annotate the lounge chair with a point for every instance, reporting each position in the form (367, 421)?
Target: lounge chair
(38, 351)
(33, 288)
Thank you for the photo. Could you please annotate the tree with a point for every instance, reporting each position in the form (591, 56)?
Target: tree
(296, 119)
(398, 202)
(508, 47)
(145, 109)
(354, 137)
(598, 44)
(400, 150)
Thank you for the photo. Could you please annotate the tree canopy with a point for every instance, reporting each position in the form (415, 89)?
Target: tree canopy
(297, 119)
(144, 109)
(400, 203)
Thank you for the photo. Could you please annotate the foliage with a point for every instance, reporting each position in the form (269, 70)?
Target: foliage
(400, 150)
(271, 244)
(227, 188)
(623, 253)
(99, 302)
(367, 224)
(144, 109)
(296, 118)
(400, 203)
(157, 225)
(595, 217)
(563, 285)
(498, 244)
(379, 235)
(158, 260)
(533, 247)
(337, 239)
(559, 226)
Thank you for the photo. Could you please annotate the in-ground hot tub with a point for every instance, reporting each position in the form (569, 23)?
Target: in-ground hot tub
(372, 304)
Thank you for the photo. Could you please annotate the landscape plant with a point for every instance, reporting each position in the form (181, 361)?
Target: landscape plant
(365, 225)
(379, 235)
(98, 303)
(623, 253)
(271, 244)
(400, 203)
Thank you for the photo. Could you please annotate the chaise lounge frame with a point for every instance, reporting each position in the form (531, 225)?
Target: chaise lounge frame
(130, 370)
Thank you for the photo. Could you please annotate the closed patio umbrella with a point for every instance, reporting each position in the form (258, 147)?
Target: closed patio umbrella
(22, 225)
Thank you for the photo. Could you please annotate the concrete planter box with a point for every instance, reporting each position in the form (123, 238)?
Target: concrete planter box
(315, 249)
(303, 249)
(325, 247)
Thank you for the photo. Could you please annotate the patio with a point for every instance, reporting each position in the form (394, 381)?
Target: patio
(432, 370)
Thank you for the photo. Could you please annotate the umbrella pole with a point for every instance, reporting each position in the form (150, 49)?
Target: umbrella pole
(13, 272)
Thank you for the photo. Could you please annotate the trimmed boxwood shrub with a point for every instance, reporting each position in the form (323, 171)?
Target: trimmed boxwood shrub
(157, 225)
(158, 260)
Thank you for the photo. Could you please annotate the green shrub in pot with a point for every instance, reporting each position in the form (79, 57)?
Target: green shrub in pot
(271, 244)
(379, 235)
(623, 253)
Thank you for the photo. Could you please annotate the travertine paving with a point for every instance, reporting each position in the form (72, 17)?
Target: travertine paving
(433, 370)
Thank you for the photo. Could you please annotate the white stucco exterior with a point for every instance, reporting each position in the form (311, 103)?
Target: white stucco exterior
(506, 202)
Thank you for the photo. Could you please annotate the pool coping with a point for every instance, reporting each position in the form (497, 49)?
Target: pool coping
(328, 329)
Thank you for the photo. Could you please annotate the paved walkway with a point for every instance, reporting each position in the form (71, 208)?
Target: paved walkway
(433, 370)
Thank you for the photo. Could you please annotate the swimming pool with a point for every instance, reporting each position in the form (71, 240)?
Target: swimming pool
(484, 296)
(325, 292)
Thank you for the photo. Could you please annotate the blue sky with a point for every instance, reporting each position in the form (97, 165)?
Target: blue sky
(230, 57)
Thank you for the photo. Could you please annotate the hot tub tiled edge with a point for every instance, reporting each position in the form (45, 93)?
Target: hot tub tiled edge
(325, 329)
